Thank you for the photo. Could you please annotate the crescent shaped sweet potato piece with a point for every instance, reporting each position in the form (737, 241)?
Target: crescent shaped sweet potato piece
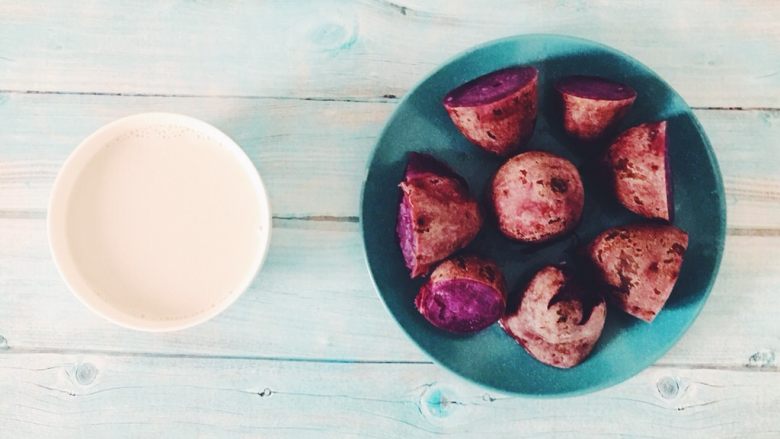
(557, 322)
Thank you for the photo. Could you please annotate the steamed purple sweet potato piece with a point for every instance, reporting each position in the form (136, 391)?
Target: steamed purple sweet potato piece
(593, 105)
(437, 216)
(639, 163)
(537, 196)
(464, 294)
(497, 111)
(558, 322)
(640, 263)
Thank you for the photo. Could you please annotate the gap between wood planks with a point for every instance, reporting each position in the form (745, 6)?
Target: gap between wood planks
(748, 367)
(385, 98)
(45, 350)
(292, 221)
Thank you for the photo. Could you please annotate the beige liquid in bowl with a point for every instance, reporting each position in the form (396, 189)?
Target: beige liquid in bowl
(164, 223)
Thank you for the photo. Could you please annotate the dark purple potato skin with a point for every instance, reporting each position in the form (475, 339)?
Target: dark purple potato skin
(557, 322)
(436, 216)
(496, 111)
(638, 162)
(537, 196)
(465, 294)
(593, 105)
(640, 264)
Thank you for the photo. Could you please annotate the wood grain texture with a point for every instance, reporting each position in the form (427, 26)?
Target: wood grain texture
(718, 53)
(313, 154)
(309, 350)
(314, 301)
(98, 396)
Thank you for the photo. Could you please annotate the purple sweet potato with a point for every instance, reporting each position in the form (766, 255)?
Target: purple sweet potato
(640, 263)
(437, 215)
(464, 294)
(558, 322)
(593, 105)
(497, 111)
(638, 161)
(537, 196)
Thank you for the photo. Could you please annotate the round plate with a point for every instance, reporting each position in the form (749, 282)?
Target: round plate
(158, 221)
(490, 357)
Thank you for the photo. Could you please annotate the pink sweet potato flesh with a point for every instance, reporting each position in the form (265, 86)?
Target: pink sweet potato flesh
(638, 161)
(437, 216)
(640, 264)
(537, 196)
(497, 111)
(558, 322)
(593, 105)
(464, 294)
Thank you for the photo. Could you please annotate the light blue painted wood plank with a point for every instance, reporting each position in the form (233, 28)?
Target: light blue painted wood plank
(314, 300)
(312, 155)
(98, 396)
(718, 53)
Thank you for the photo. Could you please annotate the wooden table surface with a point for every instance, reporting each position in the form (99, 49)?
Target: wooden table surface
(309, 350)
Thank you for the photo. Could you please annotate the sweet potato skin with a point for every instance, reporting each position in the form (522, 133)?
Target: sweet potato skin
(437, 216)
(638, 163)
(556, 322)
(503, 126)
(464, 294)
(640, 264)
(537, 196)
(592, 106)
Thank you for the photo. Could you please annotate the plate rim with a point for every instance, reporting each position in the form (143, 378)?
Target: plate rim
(721, 240)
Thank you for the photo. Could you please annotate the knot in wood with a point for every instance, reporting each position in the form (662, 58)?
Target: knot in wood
(762, 358)
(333, 36)
(85, 373)
(437, 403)
(668, 387)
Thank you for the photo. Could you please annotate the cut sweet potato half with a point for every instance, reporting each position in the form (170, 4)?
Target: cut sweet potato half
(437, 216)
(497, 111)
(592, 105)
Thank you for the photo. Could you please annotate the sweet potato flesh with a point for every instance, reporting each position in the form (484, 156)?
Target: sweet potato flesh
(591, 87)
(491, 87)
(460, 305)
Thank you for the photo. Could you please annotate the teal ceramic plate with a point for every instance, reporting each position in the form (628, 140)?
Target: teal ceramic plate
(490, 357)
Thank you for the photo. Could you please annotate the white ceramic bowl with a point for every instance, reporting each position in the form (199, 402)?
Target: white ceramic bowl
(158, 222)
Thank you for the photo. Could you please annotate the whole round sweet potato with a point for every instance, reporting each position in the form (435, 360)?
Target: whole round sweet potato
(537, 196)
